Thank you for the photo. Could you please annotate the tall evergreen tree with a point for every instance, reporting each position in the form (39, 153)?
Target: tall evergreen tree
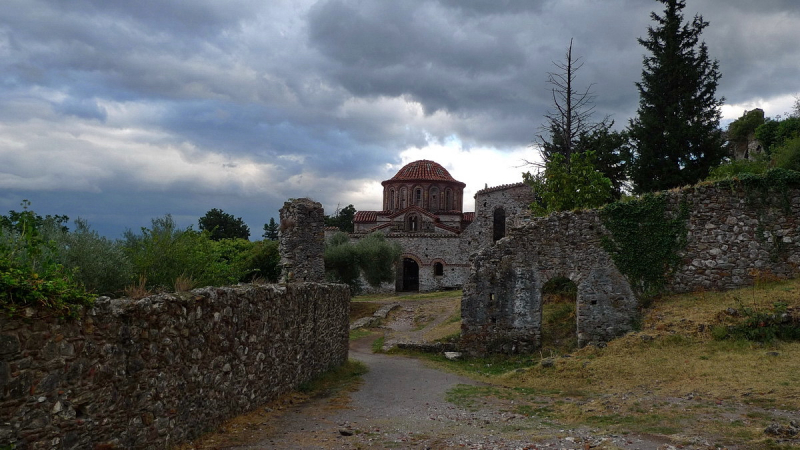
(271, 230)
(676, 137)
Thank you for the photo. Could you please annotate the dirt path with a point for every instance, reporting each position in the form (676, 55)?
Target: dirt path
(402, 404)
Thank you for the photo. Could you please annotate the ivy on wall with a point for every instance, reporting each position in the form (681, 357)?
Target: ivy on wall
(645, 240)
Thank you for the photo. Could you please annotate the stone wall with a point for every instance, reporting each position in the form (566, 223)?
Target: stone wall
(501, 308)
(735, 233)
(302, 241)
(153, 372)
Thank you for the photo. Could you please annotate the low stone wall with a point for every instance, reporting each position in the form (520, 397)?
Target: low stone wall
(153, 372)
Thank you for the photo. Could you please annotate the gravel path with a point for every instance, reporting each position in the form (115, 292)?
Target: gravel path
(401, 404)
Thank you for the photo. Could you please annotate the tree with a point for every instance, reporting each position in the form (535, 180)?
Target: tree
(563, 188)
(570, 120)
(222, 225)
(676, 137)
(270, 230)
(372, 257)
(342, 218)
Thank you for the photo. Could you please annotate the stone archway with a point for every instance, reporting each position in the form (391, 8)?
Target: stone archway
(501, 308)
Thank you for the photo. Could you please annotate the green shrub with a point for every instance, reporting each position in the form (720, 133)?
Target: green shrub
(99, 263)
(787, 156)
(30, 275)
(372, 256)
(263, 261)
(736, 168)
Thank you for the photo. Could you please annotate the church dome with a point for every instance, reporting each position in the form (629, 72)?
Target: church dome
(422, 170)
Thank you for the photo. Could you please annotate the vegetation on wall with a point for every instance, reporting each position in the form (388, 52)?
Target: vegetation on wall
(645, 240)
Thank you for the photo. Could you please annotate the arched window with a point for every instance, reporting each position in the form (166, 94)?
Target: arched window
(433, 199)
(412, 224)
(448, 200)
(392, 203)
(438, 269)
(403, 198)
(499, 224)
(418, 197)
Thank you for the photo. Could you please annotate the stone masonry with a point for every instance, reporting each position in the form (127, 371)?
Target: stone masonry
(158, 371)
(302, 241)
(735, 234)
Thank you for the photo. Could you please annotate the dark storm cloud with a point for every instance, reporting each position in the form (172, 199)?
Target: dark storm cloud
(154, 106)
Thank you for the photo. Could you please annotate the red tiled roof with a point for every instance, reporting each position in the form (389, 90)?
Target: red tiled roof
(423, 170)
(365, 217)
(468, 217)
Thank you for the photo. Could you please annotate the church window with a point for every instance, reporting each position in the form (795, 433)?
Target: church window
(403, 198)
(449, 200)
(434, 199)
(412, 223)
(438, 269)
(418, 196)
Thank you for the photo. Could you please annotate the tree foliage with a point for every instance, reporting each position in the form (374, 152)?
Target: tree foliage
(271, 230)
(342, 218)
(222, 225)
(30, 275)
(562, 188)
(676, 137)
(372, 257)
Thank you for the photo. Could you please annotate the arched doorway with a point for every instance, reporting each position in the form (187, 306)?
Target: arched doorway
(410, 275)
(499, 224)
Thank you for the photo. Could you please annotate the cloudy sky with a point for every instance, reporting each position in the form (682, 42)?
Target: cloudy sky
(119, 111)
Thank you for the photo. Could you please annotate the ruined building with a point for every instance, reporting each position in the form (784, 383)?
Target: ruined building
(423, 211)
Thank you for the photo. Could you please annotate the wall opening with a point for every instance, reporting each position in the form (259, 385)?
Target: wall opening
(410, 275)
(438, 269)
(412, 224)
(559, 320)
(499, 224)
(434, 199)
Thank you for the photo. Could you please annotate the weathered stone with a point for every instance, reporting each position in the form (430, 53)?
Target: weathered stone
(128, 385)
(302, 241)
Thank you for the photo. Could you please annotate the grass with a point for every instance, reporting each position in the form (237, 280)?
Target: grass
(344, 377)
(413, 296)
(672, 378)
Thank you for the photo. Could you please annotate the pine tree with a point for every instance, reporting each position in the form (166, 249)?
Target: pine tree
(271, 230)
(676, 136)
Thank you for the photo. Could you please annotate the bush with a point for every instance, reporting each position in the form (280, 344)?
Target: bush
(372, 256)
(100, 264)
(787, 156)
(30, 274)
(738, 167)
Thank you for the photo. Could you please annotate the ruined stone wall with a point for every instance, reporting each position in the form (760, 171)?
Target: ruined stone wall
(735, 233)
(502, 304)
(153, 372)
(302, 241)
(514, 199)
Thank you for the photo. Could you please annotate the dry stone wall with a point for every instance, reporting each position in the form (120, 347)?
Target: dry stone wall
(153, 372)
(735, 232)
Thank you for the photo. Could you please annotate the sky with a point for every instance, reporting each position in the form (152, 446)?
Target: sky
(119, 112)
